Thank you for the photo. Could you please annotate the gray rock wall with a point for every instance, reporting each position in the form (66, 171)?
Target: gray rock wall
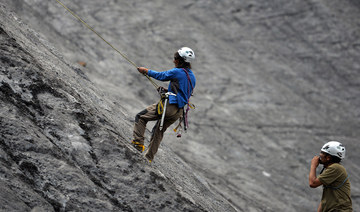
(65, 144)
(276, 80)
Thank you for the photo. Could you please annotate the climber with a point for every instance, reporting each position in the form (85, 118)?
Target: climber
(333, 177)
(182, 82)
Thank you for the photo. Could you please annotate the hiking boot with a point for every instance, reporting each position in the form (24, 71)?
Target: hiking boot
(139, 146)
(150, 160)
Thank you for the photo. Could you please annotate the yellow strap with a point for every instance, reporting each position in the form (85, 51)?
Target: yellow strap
(179, 125)
(191, 105)
(160, 107)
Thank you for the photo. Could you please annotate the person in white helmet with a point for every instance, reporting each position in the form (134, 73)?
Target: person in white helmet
(182, 83)
(334, 178)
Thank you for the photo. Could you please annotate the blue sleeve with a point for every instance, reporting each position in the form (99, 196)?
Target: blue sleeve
(162, 76)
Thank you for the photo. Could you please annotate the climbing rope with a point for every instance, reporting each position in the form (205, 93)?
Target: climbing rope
(89, 27)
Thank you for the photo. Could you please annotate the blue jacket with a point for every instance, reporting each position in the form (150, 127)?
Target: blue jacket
(179, 84)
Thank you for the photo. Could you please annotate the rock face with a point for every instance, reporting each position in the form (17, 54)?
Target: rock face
(63, 145)
(275, 81)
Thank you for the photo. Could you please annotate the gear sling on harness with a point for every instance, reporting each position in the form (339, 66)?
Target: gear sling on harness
(188, 107)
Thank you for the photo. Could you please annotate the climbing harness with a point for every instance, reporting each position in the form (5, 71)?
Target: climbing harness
(189, 105)
(167, 94)
(160, 106)
(89, 27)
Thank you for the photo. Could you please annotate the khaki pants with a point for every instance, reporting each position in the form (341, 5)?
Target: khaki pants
(172, 114)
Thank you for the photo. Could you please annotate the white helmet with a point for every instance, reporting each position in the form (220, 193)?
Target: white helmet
(187, 54)
(334, 148)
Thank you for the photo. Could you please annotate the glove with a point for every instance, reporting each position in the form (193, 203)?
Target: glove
(142, 70)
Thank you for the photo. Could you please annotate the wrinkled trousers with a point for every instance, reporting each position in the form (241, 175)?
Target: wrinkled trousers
(172, 114)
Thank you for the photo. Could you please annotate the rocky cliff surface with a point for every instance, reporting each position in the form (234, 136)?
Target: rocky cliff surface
(64, 144)
(276, 80)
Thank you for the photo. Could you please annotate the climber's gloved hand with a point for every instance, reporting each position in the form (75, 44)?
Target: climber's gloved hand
(142, 70)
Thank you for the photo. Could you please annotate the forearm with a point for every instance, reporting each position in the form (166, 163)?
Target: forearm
(319, 208)
(312, 175)
(313, 180)
(162, 76)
